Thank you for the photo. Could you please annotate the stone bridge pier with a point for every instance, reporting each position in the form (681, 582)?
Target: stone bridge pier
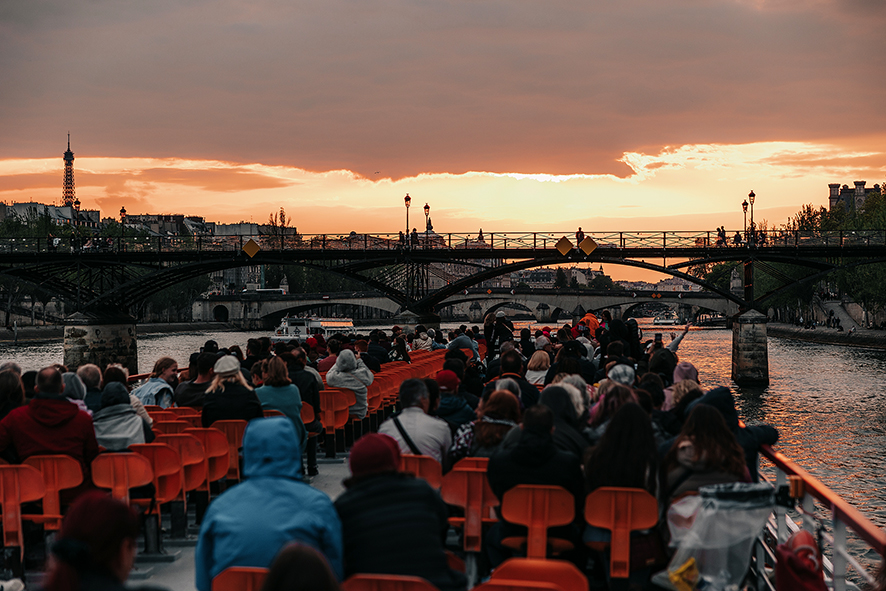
(101, 339)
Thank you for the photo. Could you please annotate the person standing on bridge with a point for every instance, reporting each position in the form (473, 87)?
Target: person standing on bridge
(579, 236)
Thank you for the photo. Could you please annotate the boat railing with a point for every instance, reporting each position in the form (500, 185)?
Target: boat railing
(838, 516)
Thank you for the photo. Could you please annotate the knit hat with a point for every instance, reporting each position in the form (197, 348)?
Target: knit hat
(542, 342)
(374, 454)
(622, 374)
(447, 380)
(685, 371)
(227, 366)
(311, 342)
(500, 314)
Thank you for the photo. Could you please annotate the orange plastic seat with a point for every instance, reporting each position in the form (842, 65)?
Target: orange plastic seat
(272, 413)
(18, 484)
(233, 431)
(559, 572)
(467, 486)
(334, 416)
(538, 507)
(621, 511)
(152, 408)
(240, 578)
(59, 472)
(166, 466)
(193, 467)
(182, 410)
(424, 467)
(162, 415)
(216, 454)
(374, 582)
(169, 427)
(519, 585)
(120, 472)
(194, 420)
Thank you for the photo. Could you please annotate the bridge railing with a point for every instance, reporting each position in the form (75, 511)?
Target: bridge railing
(530, 241)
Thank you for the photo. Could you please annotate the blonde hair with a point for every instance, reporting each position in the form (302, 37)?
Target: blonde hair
(218, 382)
(162, 365)
(683, 388)
(540, 360)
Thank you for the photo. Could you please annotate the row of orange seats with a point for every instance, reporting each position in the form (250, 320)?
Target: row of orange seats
(538, 507)
(381, 398)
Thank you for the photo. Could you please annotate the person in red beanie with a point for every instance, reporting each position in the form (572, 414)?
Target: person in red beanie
(393, 523)
(96, 546)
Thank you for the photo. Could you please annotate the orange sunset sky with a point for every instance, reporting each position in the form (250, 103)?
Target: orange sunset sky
(510, 115)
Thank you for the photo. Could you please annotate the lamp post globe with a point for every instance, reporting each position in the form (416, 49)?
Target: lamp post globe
(752, 197)
(744, 208)
(122, 221)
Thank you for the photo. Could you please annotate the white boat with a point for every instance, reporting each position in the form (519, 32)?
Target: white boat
(299, 328)
(666, 319)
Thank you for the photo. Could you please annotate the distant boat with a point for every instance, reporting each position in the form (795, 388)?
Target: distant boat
(299, 328)
(668, 318)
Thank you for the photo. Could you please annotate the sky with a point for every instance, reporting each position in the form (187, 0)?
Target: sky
(506, 115)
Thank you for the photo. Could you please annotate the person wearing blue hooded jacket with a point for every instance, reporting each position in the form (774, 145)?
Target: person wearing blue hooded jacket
(251, 522)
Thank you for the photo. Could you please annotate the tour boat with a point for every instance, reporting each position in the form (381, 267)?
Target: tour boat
(292, 327)
(668, 318)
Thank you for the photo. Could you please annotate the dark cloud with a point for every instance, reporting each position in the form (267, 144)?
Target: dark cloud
(446, 86)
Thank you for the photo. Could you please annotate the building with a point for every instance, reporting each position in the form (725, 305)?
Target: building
(31, 211)
(171, 224)
(850, 199)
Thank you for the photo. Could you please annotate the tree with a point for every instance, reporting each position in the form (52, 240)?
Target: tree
(560, 280)
(602, 283)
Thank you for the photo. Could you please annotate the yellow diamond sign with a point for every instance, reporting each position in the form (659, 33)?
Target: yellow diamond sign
(251, 248)
(587, 245)
(564, 246)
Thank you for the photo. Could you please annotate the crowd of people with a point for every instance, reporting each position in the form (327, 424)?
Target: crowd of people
(579, 406)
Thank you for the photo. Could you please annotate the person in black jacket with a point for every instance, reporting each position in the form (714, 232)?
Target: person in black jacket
(535, 460)
(512, 367)
(749, 438)
(229, 397)
(393, 523)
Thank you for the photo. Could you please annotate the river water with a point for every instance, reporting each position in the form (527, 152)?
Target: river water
(827, 401)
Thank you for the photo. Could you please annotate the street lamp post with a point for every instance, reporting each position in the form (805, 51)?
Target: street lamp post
(744, 208)
(751, 198)
(407, 200)
(427, 222)
(77, 212)
(122, 225)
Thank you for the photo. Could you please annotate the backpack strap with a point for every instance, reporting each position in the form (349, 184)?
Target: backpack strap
(409, 442)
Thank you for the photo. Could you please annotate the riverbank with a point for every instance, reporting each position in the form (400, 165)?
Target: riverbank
(55, 332)
(869, 339)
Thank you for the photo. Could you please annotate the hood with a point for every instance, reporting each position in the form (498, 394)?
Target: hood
(271, 448)
(559, 401)
(115, 393)
(721, 399)
(534, 449)
(116, 410)
(74, 387)
(450, 404)
(346, 361)
(52, 411)
(686, 457)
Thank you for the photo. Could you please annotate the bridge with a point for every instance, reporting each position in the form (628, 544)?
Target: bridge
(252, 310)
(103, 279)
(119, 273)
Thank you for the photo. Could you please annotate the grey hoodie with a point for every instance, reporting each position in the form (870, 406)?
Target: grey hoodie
(351, 373)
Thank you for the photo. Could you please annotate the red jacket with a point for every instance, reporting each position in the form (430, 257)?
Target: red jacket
(50, 426)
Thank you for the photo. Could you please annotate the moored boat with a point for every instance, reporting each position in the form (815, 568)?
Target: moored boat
(292, 327)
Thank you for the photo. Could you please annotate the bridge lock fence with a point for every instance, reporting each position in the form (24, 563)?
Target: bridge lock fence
(530, 241)
(840, 527)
